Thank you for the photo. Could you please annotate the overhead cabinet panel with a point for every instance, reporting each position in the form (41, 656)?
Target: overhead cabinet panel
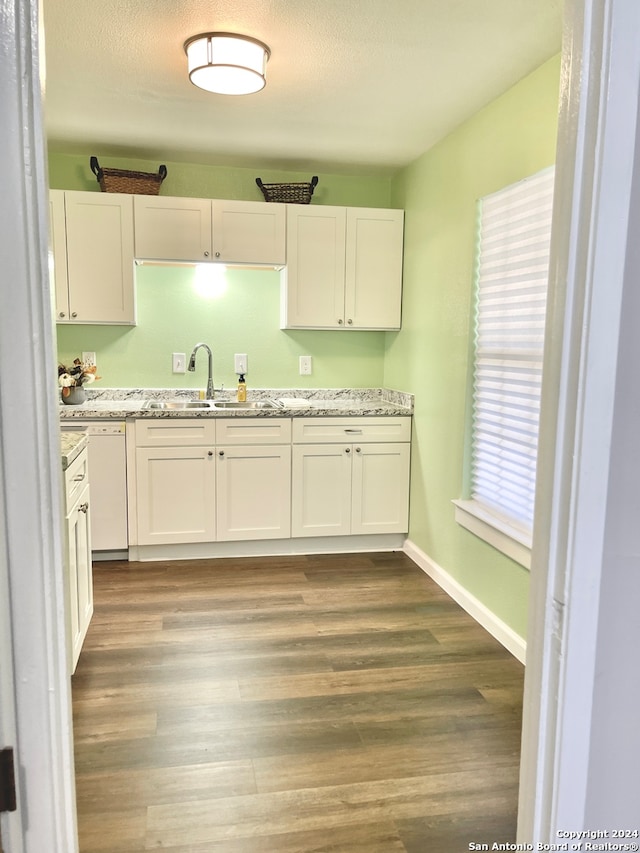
(99, 258)
(373, 282)
(246, 232)
(315, 267)
(344, 268)
(201, 230)
(172, 229)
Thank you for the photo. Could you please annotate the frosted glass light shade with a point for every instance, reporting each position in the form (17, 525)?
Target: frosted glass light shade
(226, 63)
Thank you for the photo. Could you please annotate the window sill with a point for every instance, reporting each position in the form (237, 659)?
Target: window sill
(495, 530)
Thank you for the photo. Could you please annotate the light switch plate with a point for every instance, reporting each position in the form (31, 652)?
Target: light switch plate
(240, 362)
(89, 358)
(305, 365)
(179, 361)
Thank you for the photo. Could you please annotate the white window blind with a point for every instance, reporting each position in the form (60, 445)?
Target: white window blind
(513, 266)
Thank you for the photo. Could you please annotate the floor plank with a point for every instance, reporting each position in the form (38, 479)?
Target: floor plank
(320, 704)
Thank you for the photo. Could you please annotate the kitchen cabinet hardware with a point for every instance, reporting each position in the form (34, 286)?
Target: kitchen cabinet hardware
(352, 431)
(350, 322)
(206, 254)
(358, 450)
(62, 314)
(221, 453)
(340, 321)
(84, 507)
(79, 478)
(209, 452)
(217, 254)
(347, 450)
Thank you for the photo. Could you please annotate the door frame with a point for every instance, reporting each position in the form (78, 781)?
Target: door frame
(31, 476)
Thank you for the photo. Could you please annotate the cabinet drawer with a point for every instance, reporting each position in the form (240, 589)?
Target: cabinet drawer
(76, 478)
(334, 430)
(163, 432)
(253, 431)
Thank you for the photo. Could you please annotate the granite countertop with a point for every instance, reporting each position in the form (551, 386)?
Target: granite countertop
(320, 402)
(71, 445)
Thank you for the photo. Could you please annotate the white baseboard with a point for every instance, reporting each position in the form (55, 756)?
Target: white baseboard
(505, 635)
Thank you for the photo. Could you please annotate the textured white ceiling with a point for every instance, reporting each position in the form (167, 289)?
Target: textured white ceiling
(352, 85)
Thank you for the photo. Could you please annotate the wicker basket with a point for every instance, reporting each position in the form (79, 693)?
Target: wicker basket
(290, 193)
(125, 181)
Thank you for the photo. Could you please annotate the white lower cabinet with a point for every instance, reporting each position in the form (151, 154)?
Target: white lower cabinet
(342, 487)
(78, 556)
(175, 494)
(205, 480)
(253, 492)
(234, 479)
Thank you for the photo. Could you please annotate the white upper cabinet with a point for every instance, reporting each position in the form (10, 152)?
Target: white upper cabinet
(249, 232)
(373, 275)
(344, 268)
(182, 229)
(316, 246)
(172, 229)
(93, 257)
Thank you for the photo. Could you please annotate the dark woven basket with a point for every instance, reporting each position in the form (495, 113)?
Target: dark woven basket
(291, 193)
(125, 181)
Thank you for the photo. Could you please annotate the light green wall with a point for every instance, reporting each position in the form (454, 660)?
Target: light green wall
(173, 315)
(172, 318)
(193, 180)
(511, 138)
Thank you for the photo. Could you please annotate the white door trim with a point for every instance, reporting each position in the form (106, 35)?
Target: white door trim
(596, 149)
(30, 457)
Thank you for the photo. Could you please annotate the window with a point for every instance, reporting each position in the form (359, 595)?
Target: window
(512, 274)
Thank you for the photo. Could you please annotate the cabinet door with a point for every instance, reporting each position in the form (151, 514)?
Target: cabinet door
(175, 495)
(172, 229)
(314, 276)
(321, 490)
(373, 288)
(253, 490)
(100, 257)
(380, 483)
(79, 575)
(247, 232)
(58, 254)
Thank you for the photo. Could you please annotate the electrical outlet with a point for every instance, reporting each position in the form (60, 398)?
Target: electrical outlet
(179, 361)
(89, 358)
(305, 365)
(240, 361)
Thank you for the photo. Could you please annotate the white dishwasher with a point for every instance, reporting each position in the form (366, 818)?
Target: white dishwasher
(107, 486)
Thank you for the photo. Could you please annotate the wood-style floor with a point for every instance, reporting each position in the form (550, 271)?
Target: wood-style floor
(290, 705)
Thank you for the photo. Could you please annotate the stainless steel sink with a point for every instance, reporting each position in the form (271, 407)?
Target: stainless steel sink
(209, 404)
(177, 404)
(248, 404)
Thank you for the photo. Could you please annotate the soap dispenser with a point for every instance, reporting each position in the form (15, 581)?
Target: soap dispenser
(242, 389)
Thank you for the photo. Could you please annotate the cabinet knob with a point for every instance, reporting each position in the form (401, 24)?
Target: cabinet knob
(217, 254)
(358, 450)
(83, 507)
(221, 453)
(206, 254)
(74, 313)
(209, 452)
(62, 314)
(347, 450)
(350, 322)
(340, 321)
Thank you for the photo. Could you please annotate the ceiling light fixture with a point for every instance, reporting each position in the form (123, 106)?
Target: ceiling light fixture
(226, 63)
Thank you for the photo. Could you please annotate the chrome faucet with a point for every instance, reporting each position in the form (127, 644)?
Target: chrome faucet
(192, 367)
